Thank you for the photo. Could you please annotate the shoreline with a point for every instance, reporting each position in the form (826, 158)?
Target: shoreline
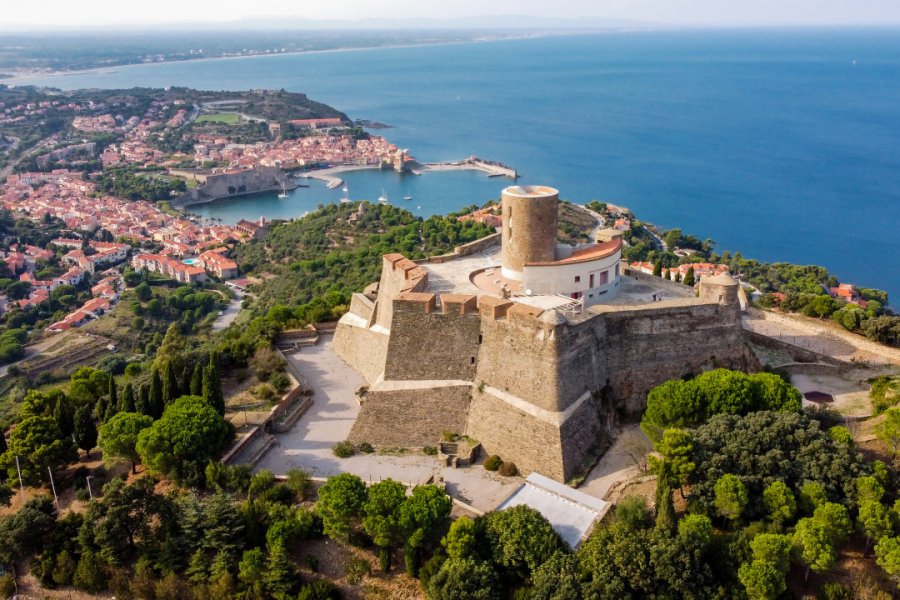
(29, 75)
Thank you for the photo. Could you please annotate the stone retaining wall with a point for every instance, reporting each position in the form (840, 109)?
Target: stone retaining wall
(410, 418)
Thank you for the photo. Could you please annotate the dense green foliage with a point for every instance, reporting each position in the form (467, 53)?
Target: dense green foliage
(125, 183)
(324, 252)
(679, 403)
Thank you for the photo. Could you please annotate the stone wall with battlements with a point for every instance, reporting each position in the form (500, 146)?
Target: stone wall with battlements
(428, 341)
(410, 418)
(398, 275)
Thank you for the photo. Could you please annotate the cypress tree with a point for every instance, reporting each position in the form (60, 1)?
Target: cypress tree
(142, 403)
(689, 277)
(212, 385)
(113, 393)
(156, 394)
(64, 413)
(169, 385)
(100, 408)
(85, 430)
(657, 269)
(184, 383)
(111, 411)
(3, 445)
(665, 508)
(197, 380)
(126, 404)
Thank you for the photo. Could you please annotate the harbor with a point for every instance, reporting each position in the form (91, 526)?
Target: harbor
(331, 175)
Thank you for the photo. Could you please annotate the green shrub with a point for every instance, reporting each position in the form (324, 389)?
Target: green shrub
(7, 585)
(357, 568)
(835, 591)
(312, 562)
(319, 590)
(343, 449)
(448, 436)
(365, 448)
(430, 450)
(299, 481)
(508, 469)
(493, 462)
(280, 381)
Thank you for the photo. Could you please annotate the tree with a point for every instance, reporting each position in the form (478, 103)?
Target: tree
(689, 277)
(382, 516)
(64, 413)
(772, 548)
(814, 545)
(90, 575)
(657, 269)
(556, 579)
(85, 430)
(665, 508)
(280, 576)
(340, 505)
(779, 502)
(184, 439)
(762, 580)
(464, 578)
(676, 447)
(212, 385)
(127, 404)
(868, 489)
(170, 389)
(521, 539)
(157, 401)
(113, 394)
(731, 497)
(836, 521)
(888, 431)
(461, 540)
(875, 521)
(696, 527)
(119, 436)
(812, 495)
(39, 445)
(424, 517)
(887, 553)
(197, 380)
(142, 402)
(251, 571)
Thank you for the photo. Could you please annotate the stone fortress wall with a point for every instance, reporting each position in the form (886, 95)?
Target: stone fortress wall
(530, 384)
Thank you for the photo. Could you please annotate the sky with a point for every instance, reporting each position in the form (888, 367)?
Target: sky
(134, 13)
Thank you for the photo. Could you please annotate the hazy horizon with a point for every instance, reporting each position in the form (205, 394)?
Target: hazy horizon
(350, 14)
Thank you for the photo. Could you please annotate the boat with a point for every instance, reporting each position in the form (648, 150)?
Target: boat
(345, 199)
(283, 193)
(383, 199)
(407, 198)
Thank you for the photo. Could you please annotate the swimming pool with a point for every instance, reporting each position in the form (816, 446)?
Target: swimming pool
(191, 261)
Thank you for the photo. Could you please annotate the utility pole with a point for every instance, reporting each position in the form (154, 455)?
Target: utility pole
(88, 479)
(53, 485)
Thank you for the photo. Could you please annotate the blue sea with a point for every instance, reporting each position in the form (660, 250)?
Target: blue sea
(781, 144)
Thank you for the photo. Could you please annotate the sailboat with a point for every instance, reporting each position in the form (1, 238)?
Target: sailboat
(383, 199)
(345, 199)
(407, 198)
(283, 193)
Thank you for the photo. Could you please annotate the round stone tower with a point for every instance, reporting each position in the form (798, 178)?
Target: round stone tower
(722, 288)
(529, 227)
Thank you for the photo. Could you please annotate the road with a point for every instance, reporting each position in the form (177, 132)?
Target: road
(224, 320)
(8, 169)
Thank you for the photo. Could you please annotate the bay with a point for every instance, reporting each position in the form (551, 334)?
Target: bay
(782, 144)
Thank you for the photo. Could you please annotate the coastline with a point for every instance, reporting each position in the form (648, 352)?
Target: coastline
(24, 76)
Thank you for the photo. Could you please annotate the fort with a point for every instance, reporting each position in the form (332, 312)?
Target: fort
(532, 348)
(228, 184)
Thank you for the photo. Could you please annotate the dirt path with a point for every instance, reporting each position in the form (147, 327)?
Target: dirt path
(618, 464)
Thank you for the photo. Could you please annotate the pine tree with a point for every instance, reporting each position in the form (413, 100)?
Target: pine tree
(280, 576)
(156, 394)
(689, 277)
(85, 430)
(197, 380)
(126, 403)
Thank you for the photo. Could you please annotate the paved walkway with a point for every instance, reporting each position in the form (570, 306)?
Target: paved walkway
(224, 320)
(617, 464)
(329, 420)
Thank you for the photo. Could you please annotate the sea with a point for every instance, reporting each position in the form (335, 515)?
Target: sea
(782, 144)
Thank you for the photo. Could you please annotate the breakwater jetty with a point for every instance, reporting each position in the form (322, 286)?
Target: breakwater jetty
(492, 168)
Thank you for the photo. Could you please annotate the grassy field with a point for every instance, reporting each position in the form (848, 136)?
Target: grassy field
(227, 118)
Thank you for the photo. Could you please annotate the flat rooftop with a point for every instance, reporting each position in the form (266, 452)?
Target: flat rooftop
(530, 191)
(571, 513)
(456, 276)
